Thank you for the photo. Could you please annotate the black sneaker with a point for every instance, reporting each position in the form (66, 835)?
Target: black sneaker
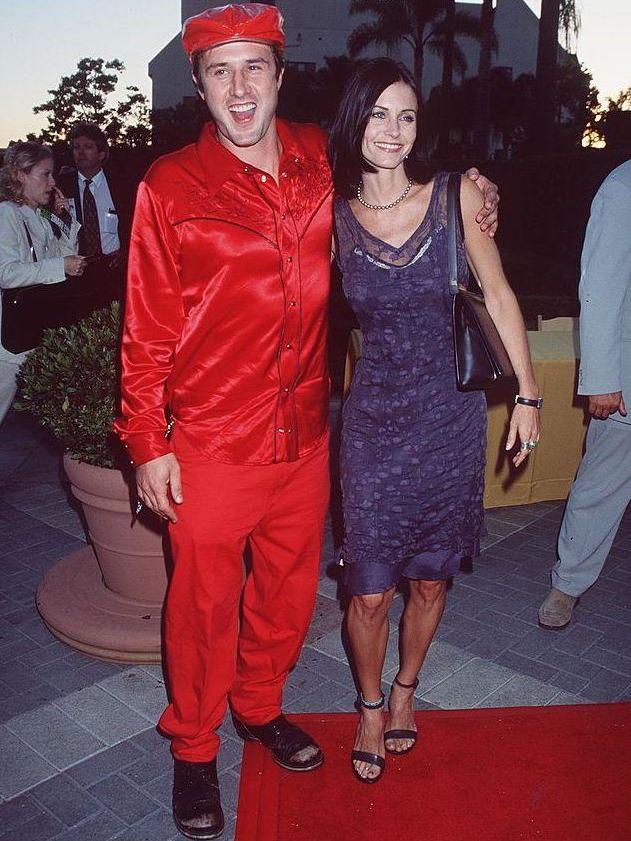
(196, 804)
(284, 740)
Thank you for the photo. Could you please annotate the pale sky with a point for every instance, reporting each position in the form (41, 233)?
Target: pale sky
(603, 42)
(43, 40)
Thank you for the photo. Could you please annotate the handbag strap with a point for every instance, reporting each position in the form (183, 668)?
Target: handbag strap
(454, 228)
(29, 239)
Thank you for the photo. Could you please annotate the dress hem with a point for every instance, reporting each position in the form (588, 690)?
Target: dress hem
(372, 577)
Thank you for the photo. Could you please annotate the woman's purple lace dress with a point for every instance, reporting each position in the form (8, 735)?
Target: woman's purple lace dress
(413, 446)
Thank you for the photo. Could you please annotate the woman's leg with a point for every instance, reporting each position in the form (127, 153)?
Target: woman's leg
(367, 623)
(420, 620)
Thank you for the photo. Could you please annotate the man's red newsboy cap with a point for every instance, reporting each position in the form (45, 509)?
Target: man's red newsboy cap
(234, 22)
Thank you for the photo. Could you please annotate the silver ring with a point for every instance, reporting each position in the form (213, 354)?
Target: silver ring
(531, 445)
(138, 508)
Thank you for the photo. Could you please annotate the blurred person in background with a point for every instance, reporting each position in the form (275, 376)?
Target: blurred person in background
(38, 238)
(102, 202)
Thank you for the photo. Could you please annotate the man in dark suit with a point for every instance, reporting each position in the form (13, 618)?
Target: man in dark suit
(103, 206)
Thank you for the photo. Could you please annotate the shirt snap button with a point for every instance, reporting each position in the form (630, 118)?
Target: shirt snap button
(263, 178)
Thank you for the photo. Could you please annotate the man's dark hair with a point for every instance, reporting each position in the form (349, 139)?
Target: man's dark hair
(279, 62)
(361, 93)
(93, 132)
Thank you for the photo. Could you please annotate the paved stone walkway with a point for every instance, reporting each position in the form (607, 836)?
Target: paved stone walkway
(80, 756)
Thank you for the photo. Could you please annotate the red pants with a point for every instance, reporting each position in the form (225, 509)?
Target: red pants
(212, 653)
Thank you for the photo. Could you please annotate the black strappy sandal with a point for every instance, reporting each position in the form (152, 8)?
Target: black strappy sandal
(364, 756)
(411, 735)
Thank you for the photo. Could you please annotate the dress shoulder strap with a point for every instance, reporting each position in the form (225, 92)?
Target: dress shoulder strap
(342, 231)
(440, 198)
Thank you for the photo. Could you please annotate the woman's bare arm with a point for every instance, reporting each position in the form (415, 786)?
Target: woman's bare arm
(503, 308)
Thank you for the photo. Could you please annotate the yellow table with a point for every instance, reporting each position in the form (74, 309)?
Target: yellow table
(549, 470)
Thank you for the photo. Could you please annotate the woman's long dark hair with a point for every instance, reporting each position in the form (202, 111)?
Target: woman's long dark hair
(361, 93)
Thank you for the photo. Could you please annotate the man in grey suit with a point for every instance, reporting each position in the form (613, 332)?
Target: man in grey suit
(602, 488)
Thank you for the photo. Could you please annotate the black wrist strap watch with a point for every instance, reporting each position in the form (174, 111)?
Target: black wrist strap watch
(528, 401)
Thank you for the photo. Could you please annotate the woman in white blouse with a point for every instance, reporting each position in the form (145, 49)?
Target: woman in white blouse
(31, 250)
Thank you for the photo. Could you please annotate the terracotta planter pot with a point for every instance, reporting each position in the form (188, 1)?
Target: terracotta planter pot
(128, 550)
(106, 599)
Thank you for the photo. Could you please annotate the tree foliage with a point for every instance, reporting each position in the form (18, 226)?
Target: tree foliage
(569, 23)
(577, 101)
(314, 95)
(557, 16)
(86, 95)
(420, 23)
(615, 121)
(70, 385)
(180, 124)
(609, 125)
(513, 111)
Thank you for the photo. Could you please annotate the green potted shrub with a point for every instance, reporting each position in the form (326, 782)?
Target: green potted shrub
(105, 599)
(70, 385)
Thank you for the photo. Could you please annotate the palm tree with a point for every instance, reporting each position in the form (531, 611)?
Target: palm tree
(555, 15)
(569, 23)
(423, 24)
(447, 82)
(483, 111)
(330, 83)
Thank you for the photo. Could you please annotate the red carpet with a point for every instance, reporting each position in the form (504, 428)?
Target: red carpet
(518, 774)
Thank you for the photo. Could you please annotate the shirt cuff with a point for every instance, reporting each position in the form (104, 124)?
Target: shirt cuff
(146, 447)
(587, 388)
(55, 269)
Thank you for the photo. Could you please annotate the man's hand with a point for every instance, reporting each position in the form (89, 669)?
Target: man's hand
(156, 481)
(603, 405)
(487, 218)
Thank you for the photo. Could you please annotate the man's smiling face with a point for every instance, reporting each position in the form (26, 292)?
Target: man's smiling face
(239, 83)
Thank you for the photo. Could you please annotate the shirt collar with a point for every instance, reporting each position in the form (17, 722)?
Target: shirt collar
(220, 164)
(29, 214)
(95, 181)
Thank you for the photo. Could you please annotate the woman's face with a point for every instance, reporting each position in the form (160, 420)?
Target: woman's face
(391, 129)
(37, 184)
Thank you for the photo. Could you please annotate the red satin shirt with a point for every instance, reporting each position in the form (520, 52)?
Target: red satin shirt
(226, 313)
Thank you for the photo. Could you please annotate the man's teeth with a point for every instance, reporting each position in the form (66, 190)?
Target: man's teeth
(241, 109)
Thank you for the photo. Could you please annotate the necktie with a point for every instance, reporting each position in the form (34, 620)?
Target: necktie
(90, 233)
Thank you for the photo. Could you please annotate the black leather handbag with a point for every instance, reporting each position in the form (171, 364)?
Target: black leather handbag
(480, 356)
